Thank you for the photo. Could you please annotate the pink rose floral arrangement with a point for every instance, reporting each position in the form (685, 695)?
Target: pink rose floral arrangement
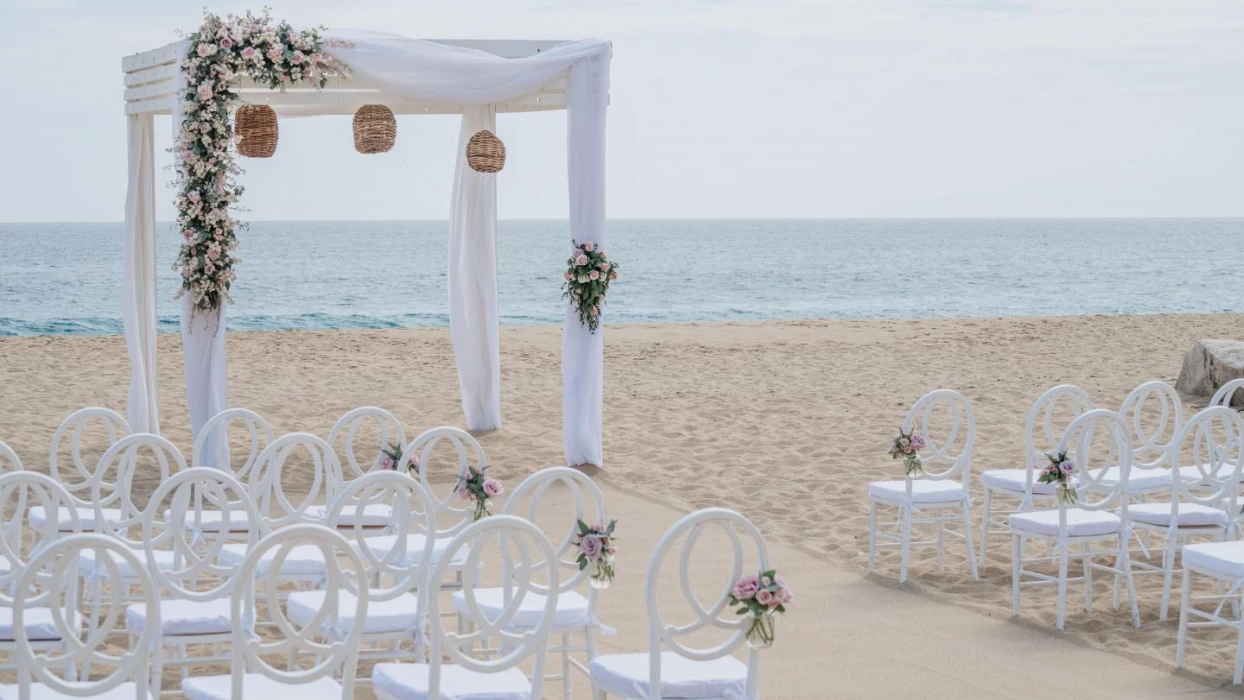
(588, 274)
(221, 51)
(907, 446)
(476, 486)
(1061, 471)
(760, 598)
(596, 549)
(391, 456)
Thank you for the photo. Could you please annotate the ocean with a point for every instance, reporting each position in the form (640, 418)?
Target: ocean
(66, 278)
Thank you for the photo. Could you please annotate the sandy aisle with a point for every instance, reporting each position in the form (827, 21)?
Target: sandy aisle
(786, 422)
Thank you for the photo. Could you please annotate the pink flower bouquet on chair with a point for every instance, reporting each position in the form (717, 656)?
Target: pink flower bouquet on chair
(479, 488)
(907, 446)
(1061, 471)
(595, 543)
(760, 598)
(391, 457)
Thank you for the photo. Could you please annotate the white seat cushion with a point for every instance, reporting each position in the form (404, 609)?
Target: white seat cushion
(302, 560)
(1223, 558)
(184, 617)
(257, 685)
(381, 545)
(86, 562)
(680, 677)
(38, 623)
(571, 611)
(1015, 480)
(374, 515)
(1137, 479)
(1080, 523)
(210, 520)
(1190, 514)
(39, 691)
(400, 613)
(1193, 474)
(410, 682)
(64, 520)
(922, 491)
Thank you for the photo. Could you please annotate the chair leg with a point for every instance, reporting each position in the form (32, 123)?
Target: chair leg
(1017, 565)
(1185, 602)
(1131, 583)
(598, 694)
(872, 537)
(1063, 546)
(967, 536)
(984, 531)
(906, 547)
(1239, 654)
(1168, 572)
(567, 692)
(1088, 578)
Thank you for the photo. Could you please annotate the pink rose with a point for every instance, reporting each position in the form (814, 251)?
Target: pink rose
(604, 267)
(593, 275)
(492, 487)
(464, 494)
(588, 246)
(204, 50)
(612, 275)
(581, 260)
(764, 597)
(590, 546)
(275, 55)
(746, 587)
(248, 53)
(568, 276)
(386, 462)
(226, 43)
(296, 59)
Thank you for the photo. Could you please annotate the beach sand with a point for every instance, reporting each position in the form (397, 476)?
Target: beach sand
(786, 422)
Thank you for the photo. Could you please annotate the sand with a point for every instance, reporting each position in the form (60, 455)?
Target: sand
(784, 421)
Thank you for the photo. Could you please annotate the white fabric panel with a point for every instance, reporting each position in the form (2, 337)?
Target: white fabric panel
(411, 682)
(922, 491)
(257, 685)
(571, 611)
(138, 310)
(425, 70)
(1080, 523)
(184, 617)
(1226, 559)
(627, 675)
(582, 351)
(473, 280)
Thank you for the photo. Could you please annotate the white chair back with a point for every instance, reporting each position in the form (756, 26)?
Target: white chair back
(1154, 412)
(1094, 459)
(1212, 444)
(112, 486)
(1051, 414)
(216, 433)
(744, 538)
(452, 515)
(51, 581)
(412, 513)
(187, 515)
(949, 438)
(533, 557)
(9, 461)
(267, 487)
(21, 538)
(347, 427)
(588, 503)
(1226, 394)
(76, 476)
(344, 571)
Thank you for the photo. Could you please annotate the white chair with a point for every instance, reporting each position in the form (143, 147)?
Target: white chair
(19, 490)
(216, 430)
(1225, 396)
(1154, 413)
(394, 613)
(1203, 504)
(252, 675)
(49, 582)
(8, 459)
(1091, 521)
(346, 430)
(1049, 416)
(687, 671)
(950, 445)
(576, 613)
(181, 518)
(78, 474)
(497, 677)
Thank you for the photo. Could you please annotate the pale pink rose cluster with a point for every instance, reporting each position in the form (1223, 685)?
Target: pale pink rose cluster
(767, 591)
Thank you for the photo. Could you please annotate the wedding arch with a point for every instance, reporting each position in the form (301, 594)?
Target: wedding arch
(477, 79)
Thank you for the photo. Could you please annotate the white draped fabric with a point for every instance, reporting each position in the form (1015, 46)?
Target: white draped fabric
(138, 313)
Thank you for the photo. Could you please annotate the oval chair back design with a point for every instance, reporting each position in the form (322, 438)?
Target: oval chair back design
(1227, 392)
(533, 556)
(344, 571)
(1048, 419)
(1154, 412)
(742, 535)
(51, 581)
(76, 476)
(452, 515)
(9, 461)
(1212, 445)
(112, 486)
(267, 485)
(21, 538)
(1095, 491)
(412, 510)
(949, 442)
(589, 506)
(214, 436)
(347, 427)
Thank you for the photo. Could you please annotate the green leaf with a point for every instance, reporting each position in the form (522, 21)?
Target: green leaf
(584, 529)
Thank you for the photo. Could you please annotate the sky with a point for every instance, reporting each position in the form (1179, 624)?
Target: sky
(719, 109)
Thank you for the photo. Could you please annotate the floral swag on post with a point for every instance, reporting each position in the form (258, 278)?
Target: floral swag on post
(588, 275)
(221, 51)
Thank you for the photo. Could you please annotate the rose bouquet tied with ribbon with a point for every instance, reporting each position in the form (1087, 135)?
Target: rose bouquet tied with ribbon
(478, 487)
(907, 446)
(588, 274)
(1061, 471)
(596, 549)
(760, 598)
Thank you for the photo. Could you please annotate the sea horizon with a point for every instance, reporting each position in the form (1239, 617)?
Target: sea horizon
(64, 278)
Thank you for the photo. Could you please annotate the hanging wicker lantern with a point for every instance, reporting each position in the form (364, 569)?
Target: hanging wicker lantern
(256, 129)
(485, 153)
(375, 129)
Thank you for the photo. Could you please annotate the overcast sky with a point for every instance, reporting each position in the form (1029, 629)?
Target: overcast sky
(720, 108)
